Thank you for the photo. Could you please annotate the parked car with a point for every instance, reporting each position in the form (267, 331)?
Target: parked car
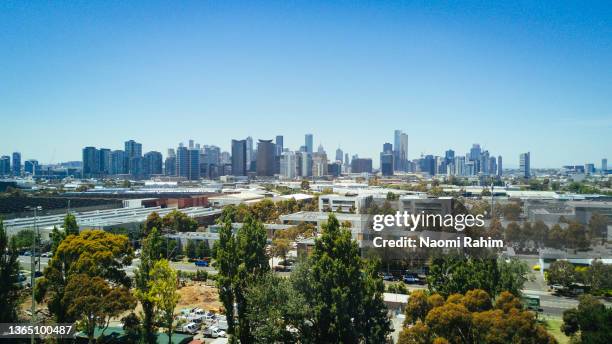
(214, 332)
(411, 279)
(190, 328)
(387, 276)
(46, 254)
(201, 263)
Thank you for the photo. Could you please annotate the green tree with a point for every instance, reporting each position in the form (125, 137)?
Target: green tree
(226, 262)
(203, 249)
(280, 248)
(590, 322)
(512, 211)
(151, 253)
(163, 294)
(94, 301)
(92, 253)
(598, 226)
(561, 272)
(152, 221)
(70, 225)
(24, 238)
(56, 238)
(9, 274)
(179, 222)
(190, 249)
(305, 185)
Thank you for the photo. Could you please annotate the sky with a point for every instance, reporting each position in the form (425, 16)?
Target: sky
(513, 76)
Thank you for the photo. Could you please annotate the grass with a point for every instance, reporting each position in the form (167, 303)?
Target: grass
(553, 325)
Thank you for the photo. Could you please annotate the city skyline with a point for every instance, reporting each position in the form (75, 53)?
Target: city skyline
(512, 77)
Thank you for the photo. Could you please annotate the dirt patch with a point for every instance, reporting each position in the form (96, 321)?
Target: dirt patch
(200, 295)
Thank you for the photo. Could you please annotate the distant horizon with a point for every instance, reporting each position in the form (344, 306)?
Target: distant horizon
(514, 77)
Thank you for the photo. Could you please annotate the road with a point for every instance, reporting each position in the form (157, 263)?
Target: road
(551, 304)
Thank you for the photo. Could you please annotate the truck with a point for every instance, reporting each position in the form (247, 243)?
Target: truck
(214, 332)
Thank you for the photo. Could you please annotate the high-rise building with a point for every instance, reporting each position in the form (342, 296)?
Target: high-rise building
(5, 165)
(525, 165)
(288, 165)
(211, 161)
(249, 153)
(182, 161)
(133, 152)
(361, 165)
(386, 160)
(428, 165)
(91, 162)
(170, 163)
(334, 169)
(152, 164)
(604, 165)
(339, 154)
(105, 161)
(500, 167)
(484, 163)
(589, 169)
(279, 145)
(319, 164)
(16, 163)
(308, 143)
(31, 166)
(194, 164)
(239, 157)
(492, 166)
(449, 156)
(133, 149)
(119, 164)
(265, 158)
(460, 169)
(306, 164)
(400, 150)
(191, 142)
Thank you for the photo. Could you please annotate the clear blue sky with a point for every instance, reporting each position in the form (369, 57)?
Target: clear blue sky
(514, 76)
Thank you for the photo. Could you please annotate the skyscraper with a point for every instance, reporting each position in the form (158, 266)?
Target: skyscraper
(105, 161)
(500, 167)
(91, 162)
(265, 158)
(525, 165)
(279, 145)
(319, 164)
(239, 157)
(31, 166)
(604, 165)
(306, 164)
(288, 165)
(182, 161)
(5, 165)
(133, 152)
(194, 164)
(118, 162)
(249, 153)
(361, 165)
(16, 164)
(308, 143)
(152, 164)
(339, 154)
(400, 150)
(386, 160)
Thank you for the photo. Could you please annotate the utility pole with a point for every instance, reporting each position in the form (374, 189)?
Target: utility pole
(33, 264)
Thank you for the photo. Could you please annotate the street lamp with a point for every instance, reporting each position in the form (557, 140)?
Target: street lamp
(33, 263)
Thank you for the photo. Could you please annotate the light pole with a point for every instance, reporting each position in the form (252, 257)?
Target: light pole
(33, 263)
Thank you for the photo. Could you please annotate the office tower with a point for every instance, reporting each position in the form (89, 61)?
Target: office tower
(265, 158)
(589, 168)
(91, 162)
(400, 152)
(225, 158)
(500, 167)
(152, 164)
(386, 160)
(449, 156)
(484, 163)
(308, 143)
(492, 166)
(361, 165)
(118, 162)
(133, 149)
(339, 154)
(239, 157)
(306, 164)
(16, 164)
(428, 165)
(319, 164)
(334, 169)
(30, 166)
(249, 153)
(475, 152)
(191, 144)
(320, 149)
(193, 164)
(440, 165)
(211, 161)
(525, 165)
(104, 161)
(182, 161)
(604, 165)
(279, 145)
(288, 165)
(459, 166)
(5, 165)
